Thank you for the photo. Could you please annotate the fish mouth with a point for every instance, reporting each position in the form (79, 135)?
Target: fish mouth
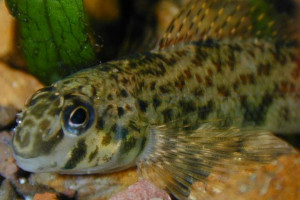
(37, 164)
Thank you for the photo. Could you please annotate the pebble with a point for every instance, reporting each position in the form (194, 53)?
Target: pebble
(16, 86)
(7, 116)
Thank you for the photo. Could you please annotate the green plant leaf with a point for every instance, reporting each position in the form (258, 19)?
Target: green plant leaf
(54, 39)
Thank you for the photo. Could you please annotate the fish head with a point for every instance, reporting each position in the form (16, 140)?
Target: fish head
(69, 129)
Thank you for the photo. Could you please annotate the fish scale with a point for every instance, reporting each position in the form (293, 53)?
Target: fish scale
(175, 111)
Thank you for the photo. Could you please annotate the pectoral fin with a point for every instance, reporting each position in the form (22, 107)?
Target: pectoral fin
(175, 159)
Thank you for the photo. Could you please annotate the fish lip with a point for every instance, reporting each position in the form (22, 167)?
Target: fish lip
(27, 164)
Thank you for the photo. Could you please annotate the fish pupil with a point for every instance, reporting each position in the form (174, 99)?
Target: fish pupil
(78, 117)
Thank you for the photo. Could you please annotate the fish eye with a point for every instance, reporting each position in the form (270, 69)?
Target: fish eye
(78, 117)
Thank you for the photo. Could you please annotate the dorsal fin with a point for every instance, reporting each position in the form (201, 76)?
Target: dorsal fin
(225, 19)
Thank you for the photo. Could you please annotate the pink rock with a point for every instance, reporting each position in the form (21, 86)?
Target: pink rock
(142, 190)
(8, 167)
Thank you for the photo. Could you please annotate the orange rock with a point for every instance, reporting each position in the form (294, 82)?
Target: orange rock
(277, 180)
(10, 50)
(103, 10)
(16, 86)
(7, 28)
(45, 196)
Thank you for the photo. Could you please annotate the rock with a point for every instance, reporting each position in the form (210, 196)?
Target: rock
(10, 50)
(103, 10)
(142, 190)
(8, 167)
(16, 86)
(45, 196)
(7, 191)
(7, 28)
(92, 187)
(277, 180)
(7, 115)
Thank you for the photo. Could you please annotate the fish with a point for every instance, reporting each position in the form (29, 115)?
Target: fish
(224, 77)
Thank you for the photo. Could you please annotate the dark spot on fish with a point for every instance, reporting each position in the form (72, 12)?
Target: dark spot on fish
(77, 155)
(28, 123)
(107, 109)
(169, 61)
(210, 72)
(105, 67)
(92, 156)
(128, 107)
(264, 69)
(223, 91)
(132, 65)
(79, 88)
(55, 110)
(125, 81)
(162, 68)
(243, 79)
(39, 110)
(285, 113)
(251, 78)
(200, 56)
(218, 67)
(180, 27)
(208, 81)
(181, 53)
(129, 144)
(106, 139)
(156, 102)
(115, 77)
(152, 85)
(180, 82)
(198, 78)
(254, 112)
(164, 89)
(141, 84)
(142, 105)
(100, 123)
(235, 85)
(187, 106)
(235, 47)
(93, 90)
(110, 97)
(204, 111)
(120, 111)
(132, 125)
(171, 28)
(231, 61)
(44, 124)
(124, 93)
(167, 114)
(191, 27)
(198, 92)
(53, 97)
(251, 53)
(21, 142)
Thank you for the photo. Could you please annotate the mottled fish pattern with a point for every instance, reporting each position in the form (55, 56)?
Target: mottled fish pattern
(170, 104)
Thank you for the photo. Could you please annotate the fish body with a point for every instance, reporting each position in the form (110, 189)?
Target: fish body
(245, 83)
(105, 118)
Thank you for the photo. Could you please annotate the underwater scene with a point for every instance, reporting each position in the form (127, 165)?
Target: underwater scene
(149, 99)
